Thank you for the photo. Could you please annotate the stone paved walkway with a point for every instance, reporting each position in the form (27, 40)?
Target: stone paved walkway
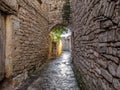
(56, 75)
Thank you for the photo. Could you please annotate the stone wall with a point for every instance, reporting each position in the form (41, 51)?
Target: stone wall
(9, 6)
(96, 42)
(66, 43)
(54, 10)
(26, 39)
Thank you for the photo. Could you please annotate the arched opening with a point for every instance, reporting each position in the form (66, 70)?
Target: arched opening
(60, 40)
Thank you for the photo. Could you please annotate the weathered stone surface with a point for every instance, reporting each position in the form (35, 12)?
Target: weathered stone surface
(106, 24)
(27, 38)
(54, 11)
(118, 34)
(9, 6)
(102, 63)
(102, 37)
(116, 83)
(27, 35)
(107, 75)
(112, 68)
(95, 25)
(112, 58)
(118, 71)
(31, 38)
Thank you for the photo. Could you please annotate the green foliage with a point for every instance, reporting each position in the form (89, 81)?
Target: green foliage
(57, 32)
(66, 12)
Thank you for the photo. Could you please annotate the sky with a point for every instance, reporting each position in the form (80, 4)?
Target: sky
(66, 34)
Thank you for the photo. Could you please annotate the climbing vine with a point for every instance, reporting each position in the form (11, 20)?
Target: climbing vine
(66, 12)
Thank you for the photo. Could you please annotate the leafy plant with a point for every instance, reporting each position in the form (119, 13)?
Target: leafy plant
(57, 32)
(66, 12)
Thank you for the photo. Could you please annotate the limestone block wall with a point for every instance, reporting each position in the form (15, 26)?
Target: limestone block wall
(31, 38)
(26, 40)
(96, 42)
(54, 10)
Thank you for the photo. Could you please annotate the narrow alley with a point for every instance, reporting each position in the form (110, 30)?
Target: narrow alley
(55, 75)
(37, 35)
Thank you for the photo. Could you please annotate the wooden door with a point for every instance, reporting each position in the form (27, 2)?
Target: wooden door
(2, 46)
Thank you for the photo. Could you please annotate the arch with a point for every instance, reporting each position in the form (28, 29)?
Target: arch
(55, 25)
(56, 48)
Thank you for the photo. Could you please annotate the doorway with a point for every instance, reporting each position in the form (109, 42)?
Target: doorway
(2, 46)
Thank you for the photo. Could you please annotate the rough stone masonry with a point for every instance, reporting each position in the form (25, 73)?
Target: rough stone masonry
(96, 42)
(26, 39)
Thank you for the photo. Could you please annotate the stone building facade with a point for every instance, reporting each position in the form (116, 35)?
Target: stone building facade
(54, 12)
(23, 39)
(96, 47)
(66, 43)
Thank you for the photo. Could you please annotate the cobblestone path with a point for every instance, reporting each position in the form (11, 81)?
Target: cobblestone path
(55, 75)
